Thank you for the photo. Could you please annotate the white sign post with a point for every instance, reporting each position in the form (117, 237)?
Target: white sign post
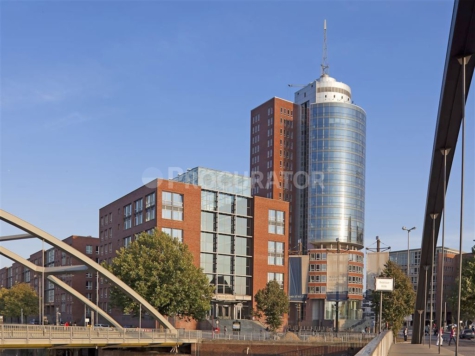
(383, 284)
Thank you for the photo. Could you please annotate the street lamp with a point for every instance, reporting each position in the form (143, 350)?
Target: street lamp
(408, 232)
(420, 318)
(431, 294)
(426, 267)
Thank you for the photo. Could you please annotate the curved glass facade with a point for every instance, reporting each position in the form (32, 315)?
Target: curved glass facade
(336, 146)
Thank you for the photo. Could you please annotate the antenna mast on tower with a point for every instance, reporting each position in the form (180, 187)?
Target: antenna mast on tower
(324, 65)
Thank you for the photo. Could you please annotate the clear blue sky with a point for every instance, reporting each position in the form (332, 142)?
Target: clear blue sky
(98, 96)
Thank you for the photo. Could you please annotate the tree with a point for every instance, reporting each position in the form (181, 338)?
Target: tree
(20, 296)
(398, 303)
(161, 270)
(273, 303)
(467, 296)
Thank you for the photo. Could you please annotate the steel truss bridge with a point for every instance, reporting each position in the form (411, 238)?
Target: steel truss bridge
(67, 337)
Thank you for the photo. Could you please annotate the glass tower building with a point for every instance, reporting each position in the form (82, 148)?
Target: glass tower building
(332, 148)
(329, 200)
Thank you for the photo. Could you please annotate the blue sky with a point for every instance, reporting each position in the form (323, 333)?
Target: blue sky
(100, 96)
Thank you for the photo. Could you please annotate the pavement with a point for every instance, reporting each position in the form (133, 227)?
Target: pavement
(466, 348)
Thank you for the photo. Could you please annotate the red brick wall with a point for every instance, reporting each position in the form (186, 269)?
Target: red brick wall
(261, 237)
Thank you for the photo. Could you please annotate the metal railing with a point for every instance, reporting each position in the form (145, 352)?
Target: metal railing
(24, 335)
(305, 336)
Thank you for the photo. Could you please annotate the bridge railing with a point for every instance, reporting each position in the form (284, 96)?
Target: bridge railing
(12, 334)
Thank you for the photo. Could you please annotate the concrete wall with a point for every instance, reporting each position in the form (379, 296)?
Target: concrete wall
(379, 346)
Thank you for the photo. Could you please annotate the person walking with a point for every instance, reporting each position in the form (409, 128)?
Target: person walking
(405, 333)
(225, 330)
(452, 335)
(440, 338)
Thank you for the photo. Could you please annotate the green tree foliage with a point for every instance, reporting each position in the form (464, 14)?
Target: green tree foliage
(273, 303)
(20, 296)
(467, 297)
(398, 303)
(161, 270)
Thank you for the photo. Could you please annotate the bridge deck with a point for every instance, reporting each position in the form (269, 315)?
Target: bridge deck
(38, 336)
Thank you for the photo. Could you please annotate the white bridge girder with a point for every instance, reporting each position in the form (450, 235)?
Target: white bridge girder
(50, 239)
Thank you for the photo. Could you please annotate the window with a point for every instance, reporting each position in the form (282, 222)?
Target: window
(317, 268)
(276, 222)
(89, 296)
(318, 256)
(208, 221)
(127, 241)
(275, 253)
(317, 290)
(89, 275)
(207, 262)
(89, 285)
(127, 216)
(208, 200)
(207, 242)
(89, 250)
(150, 207)
(317, 279)
(174, 233)
(138, 211)
(278, 277)
(172, 206)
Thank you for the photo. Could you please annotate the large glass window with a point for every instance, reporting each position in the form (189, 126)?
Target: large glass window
(207, 262)
(172, 206)
(208, 200)
(276, 222)
(207, 242)
(223, 264)
(208, 221)
(242, 206)
(224, 244)
(225, 224)
(242, 266)
(243, 226)
(242, 285)
(225, 203)
(275, 253)
(241, 246)
(224, 285)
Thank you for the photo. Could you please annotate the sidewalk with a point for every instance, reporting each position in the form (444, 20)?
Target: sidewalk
(407, 349)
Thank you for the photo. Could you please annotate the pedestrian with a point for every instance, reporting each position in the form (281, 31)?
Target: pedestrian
(440, 338)
(452, 334)
(405, 333)
(225, 330)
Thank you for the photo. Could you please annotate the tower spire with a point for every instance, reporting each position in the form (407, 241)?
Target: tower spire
(324, 64)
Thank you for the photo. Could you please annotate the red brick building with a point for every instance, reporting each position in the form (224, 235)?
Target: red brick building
(55, 300)
(240, 242)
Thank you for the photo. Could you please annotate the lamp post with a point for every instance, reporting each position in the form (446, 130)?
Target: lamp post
(408, 232)
(420, 317)
(408, 264)
(433, 217)
(463, 62)
(426, 267)
(445, 152)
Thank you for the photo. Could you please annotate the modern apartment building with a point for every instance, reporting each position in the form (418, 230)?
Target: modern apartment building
(58, 305)
(311, 152)
(241, 242)
(451, 264)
